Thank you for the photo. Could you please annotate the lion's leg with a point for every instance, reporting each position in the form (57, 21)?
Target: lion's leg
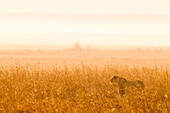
(121, 91)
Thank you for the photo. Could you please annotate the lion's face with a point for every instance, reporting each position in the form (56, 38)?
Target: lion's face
(114, 79)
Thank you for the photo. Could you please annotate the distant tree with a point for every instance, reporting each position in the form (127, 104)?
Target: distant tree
(77, 46)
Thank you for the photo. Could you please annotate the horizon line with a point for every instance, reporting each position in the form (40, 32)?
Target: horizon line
(97, 14)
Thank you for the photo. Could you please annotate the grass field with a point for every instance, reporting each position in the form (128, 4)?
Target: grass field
(79, 81)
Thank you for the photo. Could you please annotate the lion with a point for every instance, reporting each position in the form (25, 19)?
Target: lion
(123, 84)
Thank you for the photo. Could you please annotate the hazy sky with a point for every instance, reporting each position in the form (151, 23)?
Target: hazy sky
(89, 22)
(87, 6)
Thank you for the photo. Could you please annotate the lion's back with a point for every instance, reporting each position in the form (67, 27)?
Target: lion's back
(136, 83)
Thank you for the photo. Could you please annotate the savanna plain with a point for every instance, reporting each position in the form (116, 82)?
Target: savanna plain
(75, 80)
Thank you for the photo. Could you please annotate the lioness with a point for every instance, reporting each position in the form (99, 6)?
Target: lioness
(123, 84)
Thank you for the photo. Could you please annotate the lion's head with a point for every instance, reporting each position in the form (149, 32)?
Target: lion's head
(114, 79)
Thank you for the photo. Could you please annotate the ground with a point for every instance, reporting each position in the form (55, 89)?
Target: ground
(69, 80)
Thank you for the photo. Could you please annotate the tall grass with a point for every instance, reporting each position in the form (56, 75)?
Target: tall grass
(85, 89)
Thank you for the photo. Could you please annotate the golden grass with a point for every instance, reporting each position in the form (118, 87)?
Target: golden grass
(81, 89)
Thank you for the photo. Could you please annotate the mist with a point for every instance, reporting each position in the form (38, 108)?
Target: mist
(87, 30)
(68, 39)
